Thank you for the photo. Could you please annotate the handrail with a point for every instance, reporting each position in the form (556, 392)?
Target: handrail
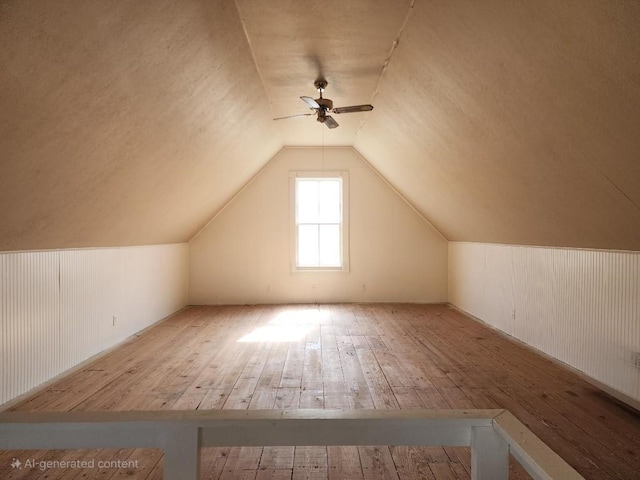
(491, 434)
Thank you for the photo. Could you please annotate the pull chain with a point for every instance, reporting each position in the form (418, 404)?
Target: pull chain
(322, 127)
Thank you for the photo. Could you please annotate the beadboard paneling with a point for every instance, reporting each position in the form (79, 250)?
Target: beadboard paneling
(30, 318)
(58, 306)
(582, 307)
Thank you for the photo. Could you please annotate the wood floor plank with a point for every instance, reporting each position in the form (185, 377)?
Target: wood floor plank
(277, 458)
(241, 463)
(212, 461)
(413, 462)
(275, 474)
(289, 398)
(377, 463)
(344, 462)
(293, 366)
(145, 463)
(444, 471)
(310, 463)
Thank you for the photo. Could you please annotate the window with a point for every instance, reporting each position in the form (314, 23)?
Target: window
(319, 220)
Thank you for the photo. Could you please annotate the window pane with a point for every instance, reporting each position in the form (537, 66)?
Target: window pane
(307, 198)
(330, 201)
(330, 246)
(308, 245)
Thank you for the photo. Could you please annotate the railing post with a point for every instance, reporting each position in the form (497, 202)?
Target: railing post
(182, 453)
(489, 455)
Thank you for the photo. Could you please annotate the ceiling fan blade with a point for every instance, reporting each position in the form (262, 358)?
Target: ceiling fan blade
(294, 116)
(310, 101)
(353, 108)
(330, 122)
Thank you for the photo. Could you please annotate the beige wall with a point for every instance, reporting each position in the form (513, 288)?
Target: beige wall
(579, 306)
(243, 255)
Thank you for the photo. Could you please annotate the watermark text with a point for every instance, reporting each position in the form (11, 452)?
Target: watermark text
(42, 465)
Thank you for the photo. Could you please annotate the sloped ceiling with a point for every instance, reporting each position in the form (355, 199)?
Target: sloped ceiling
(133, 122)
(124, 123)
(516, 122)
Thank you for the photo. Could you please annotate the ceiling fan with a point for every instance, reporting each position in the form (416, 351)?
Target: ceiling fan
(323, 106)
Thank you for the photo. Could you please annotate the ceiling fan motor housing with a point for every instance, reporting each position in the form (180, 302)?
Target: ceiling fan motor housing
(325, 103)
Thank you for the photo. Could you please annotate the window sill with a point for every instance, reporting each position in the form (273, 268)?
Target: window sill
(319, 269)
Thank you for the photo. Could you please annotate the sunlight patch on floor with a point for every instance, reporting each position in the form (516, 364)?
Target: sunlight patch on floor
(289, 326)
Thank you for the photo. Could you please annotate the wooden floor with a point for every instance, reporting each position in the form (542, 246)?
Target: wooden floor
(337, 356)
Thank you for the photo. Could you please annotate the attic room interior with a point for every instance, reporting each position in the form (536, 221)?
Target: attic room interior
(188, 225)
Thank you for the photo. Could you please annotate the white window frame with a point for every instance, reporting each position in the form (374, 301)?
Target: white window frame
(344, 230)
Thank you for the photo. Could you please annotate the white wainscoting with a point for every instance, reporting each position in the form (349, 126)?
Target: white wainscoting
(581, 307)
(57, 306)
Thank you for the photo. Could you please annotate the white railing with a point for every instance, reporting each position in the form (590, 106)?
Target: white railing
(491, 434)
